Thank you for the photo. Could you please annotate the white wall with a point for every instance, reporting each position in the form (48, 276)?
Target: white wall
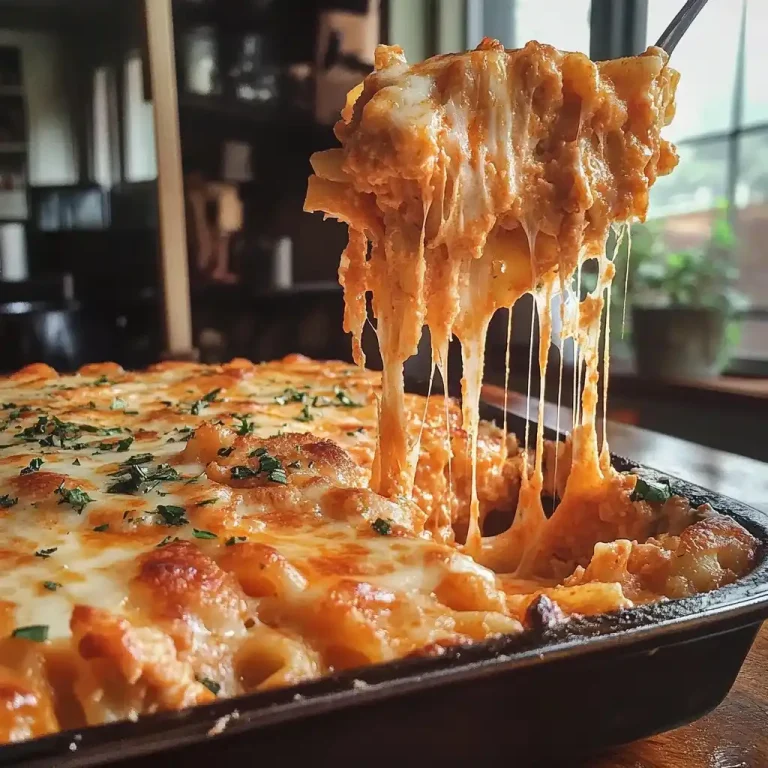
(52, 152)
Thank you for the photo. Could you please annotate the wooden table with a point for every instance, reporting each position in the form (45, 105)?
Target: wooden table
(735, 735)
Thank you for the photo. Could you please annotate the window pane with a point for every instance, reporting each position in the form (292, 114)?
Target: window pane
(696, 184)
(140, 159)
(562, 23)
(752, 184)
(752, 221)
(756, 63)
(706, 58)
(753, 340)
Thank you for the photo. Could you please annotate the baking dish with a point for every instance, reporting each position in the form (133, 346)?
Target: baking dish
(555, 691)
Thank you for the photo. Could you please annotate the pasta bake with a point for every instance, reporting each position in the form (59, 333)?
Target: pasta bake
(191, 531)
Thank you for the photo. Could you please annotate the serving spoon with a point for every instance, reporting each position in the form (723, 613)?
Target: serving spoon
(670, 37)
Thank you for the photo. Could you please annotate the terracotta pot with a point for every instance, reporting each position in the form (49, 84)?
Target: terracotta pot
(679, 342)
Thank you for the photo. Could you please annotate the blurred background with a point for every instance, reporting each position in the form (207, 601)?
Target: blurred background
(96, 248)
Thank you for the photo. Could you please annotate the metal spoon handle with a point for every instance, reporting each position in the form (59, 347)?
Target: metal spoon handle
(670, 37)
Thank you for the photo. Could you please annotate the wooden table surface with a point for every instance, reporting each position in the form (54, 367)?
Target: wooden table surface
(735, 735)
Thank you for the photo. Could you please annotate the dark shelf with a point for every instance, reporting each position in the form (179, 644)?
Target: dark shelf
(223, 14)
(273, 113)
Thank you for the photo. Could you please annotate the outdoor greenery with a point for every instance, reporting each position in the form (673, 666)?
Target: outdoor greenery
(703, 276)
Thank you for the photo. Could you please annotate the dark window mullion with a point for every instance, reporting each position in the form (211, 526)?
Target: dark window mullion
(617, 28)
(738, 114)
(706, 138)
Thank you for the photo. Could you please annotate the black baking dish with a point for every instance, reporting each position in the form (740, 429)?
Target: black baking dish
(577, 688)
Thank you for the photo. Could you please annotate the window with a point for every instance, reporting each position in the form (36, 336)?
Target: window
(105, 159)
(721, 125)
(565, 25)
(139, 132)
(721, 130)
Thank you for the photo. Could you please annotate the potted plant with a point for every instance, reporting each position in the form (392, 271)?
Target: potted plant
(684, 303)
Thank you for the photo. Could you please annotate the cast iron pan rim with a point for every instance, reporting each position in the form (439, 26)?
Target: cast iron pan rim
(635, 630)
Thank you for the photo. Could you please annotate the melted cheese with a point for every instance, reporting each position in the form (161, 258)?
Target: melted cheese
(477, 178)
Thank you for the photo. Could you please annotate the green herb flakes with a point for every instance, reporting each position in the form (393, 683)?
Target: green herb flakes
(211, 685)
(38, 633)
(45, 553)
(34, 466)
(648, 490)
(381, 526)
(171, 515)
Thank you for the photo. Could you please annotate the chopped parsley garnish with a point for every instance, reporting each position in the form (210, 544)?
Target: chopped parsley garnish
(135, 479)
(172, 515)
(102, 381)
(8, 501)
(34, 466)
(75, 497)
(38, 633)
(101, 528)
(232, 540)
(8, 406)
(245, 427)
(211, 685)
(305, 415)
(45, 553)
(121, 446)
(381, 526)
(294, 465)
(117, 404)
(345, 400)
(268, 465)
(204, 402)
(206, 502)
(225, 451)
(38, 428)
(168, 540)
(291, 395)
(203, 534)
(319, 401)
(243, 473)
(278, 476)
(139, 458)
(51, 586)
(357, 432)
(648, 490)
(63, 431)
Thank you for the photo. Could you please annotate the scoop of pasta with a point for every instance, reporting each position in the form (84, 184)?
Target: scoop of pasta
(476, 178)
